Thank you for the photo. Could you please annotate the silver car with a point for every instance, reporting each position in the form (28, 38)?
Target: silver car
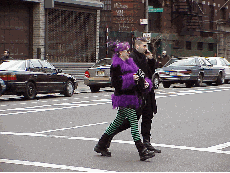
(98, 76)
(189, 70)
(221, 62)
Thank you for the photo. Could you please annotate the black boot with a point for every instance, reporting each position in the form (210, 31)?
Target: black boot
(101, 146)
(144, 153)
(147, 144)
(109, 142)
(125, 125)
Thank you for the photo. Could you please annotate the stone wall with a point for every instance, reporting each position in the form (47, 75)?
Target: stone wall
(39, 28)
(223, 49)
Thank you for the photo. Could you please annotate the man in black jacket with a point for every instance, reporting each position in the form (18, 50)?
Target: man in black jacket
(149, 107)
(6, 56)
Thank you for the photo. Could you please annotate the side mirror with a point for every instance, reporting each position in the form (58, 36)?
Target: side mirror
(59, 70)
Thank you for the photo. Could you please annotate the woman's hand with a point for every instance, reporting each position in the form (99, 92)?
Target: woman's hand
(135, 77)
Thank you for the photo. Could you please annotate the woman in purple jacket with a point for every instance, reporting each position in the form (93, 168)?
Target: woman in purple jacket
(127, 98)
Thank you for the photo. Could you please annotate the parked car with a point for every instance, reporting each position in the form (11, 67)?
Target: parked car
(98, 76)
(189, 70)
(2, 86)
(221, 62)
(32, 76)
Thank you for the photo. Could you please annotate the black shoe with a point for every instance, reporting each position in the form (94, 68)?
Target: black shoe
(146, 154)
(148, 145)
(103, 151)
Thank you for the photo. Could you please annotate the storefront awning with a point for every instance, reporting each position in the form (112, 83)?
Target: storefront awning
(33, 0)
(88, 3)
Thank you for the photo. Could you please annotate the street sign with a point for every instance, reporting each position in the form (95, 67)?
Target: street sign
(147, 36)
(155, 10)
(144, 21)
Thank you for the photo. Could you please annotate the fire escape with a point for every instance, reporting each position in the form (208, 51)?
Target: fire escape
(188, 14)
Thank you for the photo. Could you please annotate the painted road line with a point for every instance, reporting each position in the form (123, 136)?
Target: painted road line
(51, 165)
(220, 146)
(213, 149)
(75, 127)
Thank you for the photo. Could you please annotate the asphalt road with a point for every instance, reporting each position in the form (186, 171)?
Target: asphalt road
(55, 133)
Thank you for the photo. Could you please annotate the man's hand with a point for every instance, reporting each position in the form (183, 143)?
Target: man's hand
(149, 55)
(146, 84)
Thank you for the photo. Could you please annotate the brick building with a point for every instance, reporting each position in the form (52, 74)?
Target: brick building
(60, 30)
(181, 27)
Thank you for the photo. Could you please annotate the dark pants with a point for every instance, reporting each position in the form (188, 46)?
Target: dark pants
(148, 107)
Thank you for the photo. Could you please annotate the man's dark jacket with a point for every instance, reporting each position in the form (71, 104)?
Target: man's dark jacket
(148, 66)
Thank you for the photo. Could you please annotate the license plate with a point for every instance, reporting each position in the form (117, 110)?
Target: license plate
(173, 73)
(100, 73)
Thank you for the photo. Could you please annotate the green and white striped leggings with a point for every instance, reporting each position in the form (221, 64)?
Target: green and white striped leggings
(121, 115)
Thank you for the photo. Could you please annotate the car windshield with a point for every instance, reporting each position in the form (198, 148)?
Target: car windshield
(103, 62)
(13, 65)
(226, 61)
(213, 61)
(182, 62)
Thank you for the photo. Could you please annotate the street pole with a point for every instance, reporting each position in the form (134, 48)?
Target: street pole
(147, 16)
(107, 41)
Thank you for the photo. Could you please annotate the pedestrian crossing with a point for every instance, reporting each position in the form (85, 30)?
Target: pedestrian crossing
(188, 91)
(57, 102)
(160, 93)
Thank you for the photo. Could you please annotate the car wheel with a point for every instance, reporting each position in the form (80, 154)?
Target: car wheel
(199, 80)
(69, 89)
(30, 92)
(189, 84)
(156, 82)
(209, 83)
(94, 89)
(220, 79)
(166, 84)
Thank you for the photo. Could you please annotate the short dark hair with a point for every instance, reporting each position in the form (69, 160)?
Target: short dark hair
(139, 40)
(7, 51)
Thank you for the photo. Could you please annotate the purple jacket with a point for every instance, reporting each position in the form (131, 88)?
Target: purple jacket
(126, 90)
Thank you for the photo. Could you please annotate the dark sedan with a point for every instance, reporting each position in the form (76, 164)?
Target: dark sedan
(189, 70)
(32, 76)
(2, 86)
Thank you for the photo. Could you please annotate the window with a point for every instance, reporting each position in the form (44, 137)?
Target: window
(182, 62)
(223, 13)
(213, 61)
(210, 46)
(188, 45)
(34, 63)
(107, 4)
(222, 62)
(178, 44)
(46, 64)
(202, 63)
(200, 46)
(211, 17)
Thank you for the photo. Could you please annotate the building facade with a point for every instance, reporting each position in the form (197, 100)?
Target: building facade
(181, 27)
(59, 30)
